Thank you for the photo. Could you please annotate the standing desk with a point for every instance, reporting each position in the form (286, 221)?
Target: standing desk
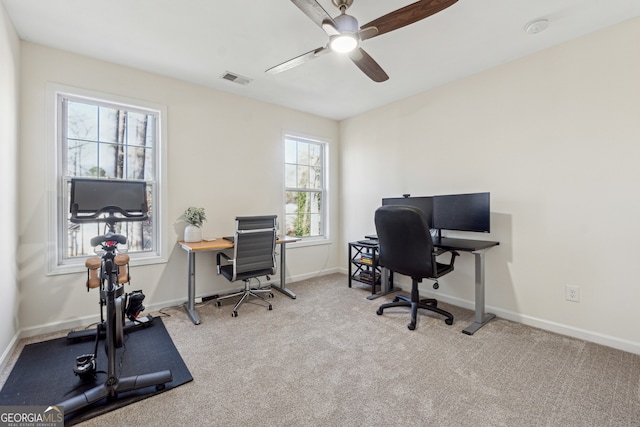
(217, 245)
(478, 248)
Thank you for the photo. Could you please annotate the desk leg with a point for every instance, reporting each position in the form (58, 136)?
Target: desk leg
(283, 264)
(385, 287)
(481, 318)
(191, 303)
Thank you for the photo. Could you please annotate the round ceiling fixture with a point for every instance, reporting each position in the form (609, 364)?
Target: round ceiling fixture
(344, 43)
(536, 26)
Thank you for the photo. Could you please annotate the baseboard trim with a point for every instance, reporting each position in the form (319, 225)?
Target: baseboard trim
(606, 340)
(315, 274)
(83, 322)
(571, 331)
(558, 328)
(13, 344)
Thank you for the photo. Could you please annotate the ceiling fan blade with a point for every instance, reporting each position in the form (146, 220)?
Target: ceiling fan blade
(408, 15)
(367, 33)
(313, 10)
(329, 27)
(368, 66)
(298, 60)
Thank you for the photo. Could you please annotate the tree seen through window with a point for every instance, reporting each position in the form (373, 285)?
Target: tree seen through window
(304, 187)
(111, 142)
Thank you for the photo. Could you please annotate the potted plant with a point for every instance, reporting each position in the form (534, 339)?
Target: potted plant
(194, 218)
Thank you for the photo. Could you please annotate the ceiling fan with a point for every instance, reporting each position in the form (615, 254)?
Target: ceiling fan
(345, 37)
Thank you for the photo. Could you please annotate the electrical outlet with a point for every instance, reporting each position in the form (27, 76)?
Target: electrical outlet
(572, 293)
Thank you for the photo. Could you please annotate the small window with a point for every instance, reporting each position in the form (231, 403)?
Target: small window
(305, 187)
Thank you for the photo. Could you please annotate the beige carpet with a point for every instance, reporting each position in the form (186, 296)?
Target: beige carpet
(326, 358)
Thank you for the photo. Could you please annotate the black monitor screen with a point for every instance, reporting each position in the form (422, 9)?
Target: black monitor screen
(425, 204)
(463, 212)
(94, 195)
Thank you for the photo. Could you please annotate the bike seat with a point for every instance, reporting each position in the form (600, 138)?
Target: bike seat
(109, 237)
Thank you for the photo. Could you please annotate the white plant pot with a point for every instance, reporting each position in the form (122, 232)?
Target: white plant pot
(192, 233)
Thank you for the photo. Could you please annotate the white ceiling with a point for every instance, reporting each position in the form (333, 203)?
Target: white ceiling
(199, 40)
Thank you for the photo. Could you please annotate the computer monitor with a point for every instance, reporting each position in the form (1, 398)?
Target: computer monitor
(425, 204)
(462, 212)
(92, 197)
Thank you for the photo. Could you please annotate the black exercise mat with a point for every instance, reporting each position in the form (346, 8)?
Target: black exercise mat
(43, 374)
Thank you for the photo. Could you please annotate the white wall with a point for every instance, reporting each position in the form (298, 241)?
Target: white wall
(9, 101)
(224, 154)
(555, 138)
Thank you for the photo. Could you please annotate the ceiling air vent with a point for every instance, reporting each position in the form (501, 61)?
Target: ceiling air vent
(233, 77)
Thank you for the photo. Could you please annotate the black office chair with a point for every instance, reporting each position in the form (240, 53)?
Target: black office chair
(254, 255)
(406, 248)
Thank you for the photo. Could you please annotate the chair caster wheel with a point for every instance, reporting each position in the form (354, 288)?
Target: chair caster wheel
(270, 307)
(411, 326)
(396, 299)
(448, 321)
(271, 295)
(234, 314)
(379, 312)
(160, 387)
(436, 285)
(218, 304)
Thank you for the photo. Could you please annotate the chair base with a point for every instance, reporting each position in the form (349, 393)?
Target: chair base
(245, 294)
(414, 303)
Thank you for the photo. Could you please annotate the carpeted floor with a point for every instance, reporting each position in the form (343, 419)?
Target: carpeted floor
(326, 359)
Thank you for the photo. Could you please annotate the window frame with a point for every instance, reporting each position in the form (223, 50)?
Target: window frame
(324, 235)
(57, 180)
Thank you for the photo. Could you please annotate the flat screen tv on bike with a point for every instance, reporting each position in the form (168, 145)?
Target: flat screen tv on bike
(92, 197)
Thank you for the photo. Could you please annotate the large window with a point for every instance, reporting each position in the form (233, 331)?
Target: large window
(305, 187)
(102, 138)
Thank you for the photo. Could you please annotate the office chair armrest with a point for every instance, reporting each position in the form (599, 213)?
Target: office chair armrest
(439, 252)
(218, 259)
(448, 268)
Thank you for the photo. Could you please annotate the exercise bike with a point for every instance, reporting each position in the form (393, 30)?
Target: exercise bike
(133, 301)
(120, 201)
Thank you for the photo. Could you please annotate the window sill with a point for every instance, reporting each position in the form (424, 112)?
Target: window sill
(79, 268)
(308, 242)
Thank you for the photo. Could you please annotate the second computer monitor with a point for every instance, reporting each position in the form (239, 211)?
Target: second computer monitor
(462, 212)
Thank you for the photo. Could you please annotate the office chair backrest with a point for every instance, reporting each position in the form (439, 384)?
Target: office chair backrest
(254, 247)
(405, 240)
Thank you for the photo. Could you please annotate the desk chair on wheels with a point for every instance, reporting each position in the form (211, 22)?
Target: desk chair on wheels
(254, 255)
(406, 248)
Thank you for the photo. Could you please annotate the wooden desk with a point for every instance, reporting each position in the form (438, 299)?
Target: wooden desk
(220, 244)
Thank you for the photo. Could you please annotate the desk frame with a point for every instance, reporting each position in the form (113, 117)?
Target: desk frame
(478, 248)
(220, 244)
(481, 318)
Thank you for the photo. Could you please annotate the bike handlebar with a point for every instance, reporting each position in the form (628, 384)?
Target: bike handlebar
(77, 217)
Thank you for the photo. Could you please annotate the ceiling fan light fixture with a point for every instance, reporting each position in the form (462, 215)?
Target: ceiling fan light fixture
(343, 43)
